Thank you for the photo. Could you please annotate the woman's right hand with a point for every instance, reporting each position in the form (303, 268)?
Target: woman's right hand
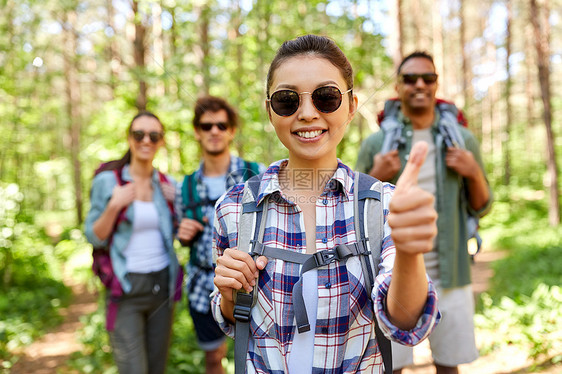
(236, 270)
(122, 196)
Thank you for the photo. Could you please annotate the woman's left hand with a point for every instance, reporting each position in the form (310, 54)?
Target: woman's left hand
(412, 213)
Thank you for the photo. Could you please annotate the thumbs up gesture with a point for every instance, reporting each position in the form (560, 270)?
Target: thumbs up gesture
(412, 213)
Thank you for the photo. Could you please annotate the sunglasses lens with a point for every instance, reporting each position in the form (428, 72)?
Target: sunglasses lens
(208, 126)
(285, 102)
(138, 135)
(429, 78)
(327, 99)
(155, 136)
(410, 78)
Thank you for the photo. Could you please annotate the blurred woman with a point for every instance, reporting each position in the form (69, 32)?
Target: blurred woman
(131, 219)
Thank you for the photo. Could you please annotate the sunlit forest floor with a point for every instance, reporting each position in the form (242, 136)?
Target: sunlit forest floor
(49, 354)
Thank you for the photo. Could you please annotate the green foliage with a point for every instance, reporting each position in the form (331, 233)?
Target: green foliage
(523, 305)
(532, 321)
(31, 290)
(96, 356)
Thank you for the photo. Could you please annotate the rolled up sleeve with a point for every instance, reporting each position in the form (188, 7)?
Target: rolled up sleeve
(426, 323)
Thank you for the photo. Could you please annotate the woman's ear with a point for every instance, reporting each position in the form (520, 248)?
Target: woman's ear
(353, 105)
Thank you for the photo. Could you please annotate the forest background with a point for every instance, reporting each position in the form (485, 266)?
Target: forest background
(73, 73)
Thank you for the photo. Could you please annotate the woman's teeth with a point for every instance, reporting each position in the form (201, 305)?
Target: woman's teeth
(309, 134)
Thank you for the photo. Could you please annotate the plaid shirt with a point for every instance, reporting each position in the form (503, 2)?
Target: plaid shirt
(344, 337)
(200, 276)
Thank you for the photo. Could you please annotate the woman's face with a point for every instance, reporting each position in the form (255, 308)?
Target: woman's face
(145, 148)
(310, 135)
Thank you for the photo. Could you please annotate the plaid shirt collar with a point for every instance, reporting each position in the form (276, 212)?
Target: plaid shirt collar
(233, 175)
(339, 181)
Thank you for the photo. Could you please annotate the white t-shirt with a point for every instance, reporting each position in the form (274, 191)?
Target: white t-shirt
(145, 252)
(302, 352)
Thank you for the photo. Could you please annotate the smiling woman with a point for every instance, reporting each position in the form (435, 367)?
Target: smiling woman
(130, 224)
(320, 317)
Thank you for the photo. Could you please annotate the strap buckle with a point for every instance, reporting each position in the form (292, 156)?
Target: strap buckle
(243, 303)
(325, 257)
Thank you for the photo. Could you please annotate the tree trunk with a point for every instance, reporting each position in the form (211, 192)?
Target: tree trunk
(508, 108)
(238, 43)
(397, 41)
(140, 56)
(438, 46)
(542, 41)
(466, 95)
(201, 50)
(73, 98)
(158, 44)
(112, 54)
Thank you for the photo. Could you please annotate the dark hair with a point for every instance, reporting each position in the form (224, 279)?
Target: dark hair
(118, 164)
(320, 46)
(416, 54)
(214, 104)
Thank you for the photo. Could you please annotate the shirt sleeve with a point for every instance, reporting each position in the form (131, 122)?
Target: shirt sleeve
(101, 192)
(368, 150)
(473, 146)
(225, 236)
(430, 315)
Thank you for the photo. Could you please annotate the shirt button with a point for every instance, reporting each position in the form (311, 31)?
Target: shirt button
(328, 285)
(325, 201)
(324, 240)
(407, 157)
(408, 133)
(156, 289)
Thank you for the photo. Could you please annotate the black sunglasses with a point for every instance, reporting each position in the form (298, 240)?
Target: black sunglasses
(207, 126)
(428, 78)
(326, 99)
(154, 136)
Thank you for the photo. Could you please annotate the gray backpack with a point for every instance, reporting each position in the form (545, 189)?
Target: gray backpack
(367, 202)
(451, 119)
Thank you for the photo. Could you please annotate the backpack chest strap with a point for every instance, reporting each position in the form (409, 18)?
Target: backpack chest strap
(340, 252)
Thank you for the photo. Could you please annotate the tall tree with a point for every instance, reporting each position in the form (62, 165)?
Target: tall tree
(541, 27)
(111, 51)
(158, 47)
(202, 50)
(139, 52)
(73, 97)
(508, 86)
(466, 95)
(398, 38)
(438, 44)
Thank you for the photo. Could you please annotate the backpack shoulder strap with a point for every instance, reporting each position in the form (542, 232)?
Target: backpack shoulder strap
(250, 169)
(371, 230)
(449, 124)
(164, 179)
(251, 227)
(390, 126)
(190, 197)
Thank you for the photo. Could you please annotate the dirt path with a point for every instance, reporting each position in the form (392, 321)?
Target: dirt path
(53, 350)
(509, 360)
(50, 352)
